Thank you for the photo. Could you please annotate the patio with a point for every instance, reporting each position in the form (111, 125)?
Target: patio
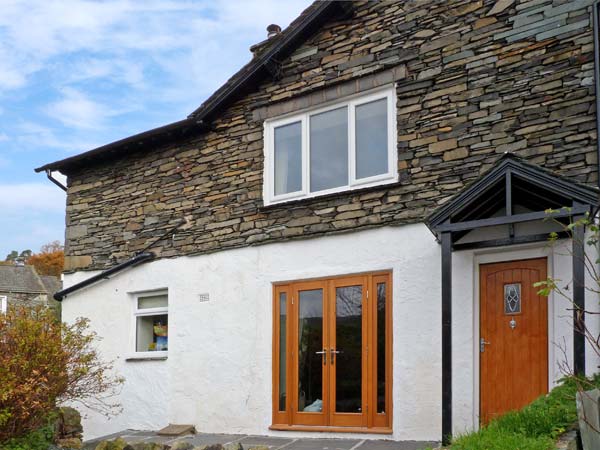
(270, 442)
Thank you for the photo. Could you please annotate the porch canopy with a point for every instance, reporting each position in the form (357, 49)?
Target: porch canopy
(505, 202)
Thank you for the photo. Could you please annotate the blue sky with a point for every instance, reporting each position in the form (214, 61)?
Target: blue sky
(78, 74)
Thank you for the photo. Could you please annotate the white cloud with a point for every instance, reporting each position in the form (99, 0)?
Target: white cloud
(35, 33)
(76, 109)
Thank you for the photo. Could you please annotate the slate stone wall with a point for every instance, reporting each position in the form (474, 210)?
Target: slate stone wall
(474, 79)
(25, 299)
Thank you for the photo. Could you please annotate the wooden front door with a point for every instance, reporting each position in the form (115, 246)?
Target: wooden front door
(513, 336)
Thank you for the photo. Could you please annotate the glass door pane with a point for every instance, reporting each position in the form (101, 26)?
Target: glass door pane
(348, 359)
(311, 356)
(348, 364)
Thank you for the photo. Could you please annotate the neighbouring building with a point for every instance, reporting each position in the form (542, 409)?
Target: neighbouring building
(344, 237)
(21, 285)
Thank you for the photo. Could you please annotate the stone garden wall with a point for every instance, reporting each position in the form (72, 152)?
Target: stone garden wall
(474, 79)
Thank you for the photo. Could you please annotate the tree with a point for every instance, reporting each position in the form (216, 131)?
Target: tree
(43, 363)
(50, 260)
(14, 257)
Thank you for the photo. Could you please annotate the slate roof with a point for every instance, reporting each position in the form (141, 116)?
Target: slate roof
(51, 283)
(24, 279)
(267, 53)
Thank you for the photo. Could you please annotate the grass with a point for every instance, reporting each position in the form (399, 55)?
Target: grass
(535, 427)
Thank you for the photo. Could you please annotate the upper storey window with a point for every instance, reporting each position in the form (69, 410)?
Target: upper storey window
(344, 146)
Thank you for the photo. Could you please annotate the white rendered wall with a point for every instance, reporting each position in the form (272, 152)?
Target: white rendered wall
(218, 373)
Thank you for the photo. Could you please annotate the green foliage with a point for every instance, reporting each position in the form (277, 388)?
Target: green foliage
(498, 439)
(39, 439)
(534, 427)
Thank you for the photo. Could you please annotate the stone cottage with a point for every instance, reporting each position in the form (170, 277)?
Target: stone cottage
(343, 238)
(22, 286)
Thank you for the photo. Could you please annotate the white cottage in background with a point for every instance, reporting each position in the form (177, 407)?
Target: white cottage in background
(343, 239)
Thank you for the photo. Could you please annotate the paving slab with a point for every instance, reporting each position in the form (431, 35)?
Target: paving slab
(271, 442)
(323, 444)
(268, 441)
(396, 445)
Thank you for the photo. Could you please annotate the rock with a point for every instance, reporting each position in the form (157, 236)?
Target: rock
(70, 443)
(117, 444)
(181, 445)
(69, 423)
(500, 6)
(147, 446)
(234, 446)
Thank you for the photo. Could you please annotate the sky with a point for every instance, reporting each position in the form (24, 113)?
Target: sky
(77, 74)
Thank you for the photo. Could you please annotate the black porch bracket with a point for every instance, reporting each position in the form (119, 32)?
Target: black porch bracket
(446, 338)
(578, 253)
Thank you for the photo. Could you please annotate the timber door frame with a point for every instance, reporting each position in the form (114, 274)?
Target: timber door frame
(370, 420)
(493, 256)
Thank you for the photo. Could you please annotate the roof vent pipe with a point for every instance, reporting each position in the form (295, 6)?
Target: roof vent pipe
(273, 30)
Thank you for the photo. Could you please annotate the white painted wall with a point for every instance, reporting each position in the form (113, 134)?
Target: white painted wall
(218, 373)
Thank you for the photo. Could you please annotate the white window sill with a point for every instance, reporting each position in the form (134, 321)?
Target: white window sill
(147, 356)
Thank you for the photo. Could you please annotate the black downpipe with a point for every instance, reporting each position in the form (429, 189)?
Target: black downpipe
(138, 259)
(55, 181)
(596, 32)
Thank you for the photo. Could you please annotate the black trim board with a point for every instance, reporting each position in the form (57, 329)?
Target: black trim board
(138, 259)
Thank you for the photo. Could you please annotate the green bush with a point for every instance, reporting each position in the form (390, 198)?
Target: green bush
(39, 439)
(498, 439)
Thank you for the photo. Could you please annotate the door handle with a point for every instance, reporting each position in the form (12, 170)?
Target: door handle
(333, 353)
(482, 344)
(324, 353)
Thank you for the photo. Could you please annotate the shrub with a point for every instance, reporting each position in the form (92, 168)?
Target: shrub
(535, 427)
(44, 362)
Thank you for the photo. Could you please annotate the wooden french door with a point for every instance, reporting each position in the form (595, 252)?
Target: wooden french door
(514, 336)
(333, 341)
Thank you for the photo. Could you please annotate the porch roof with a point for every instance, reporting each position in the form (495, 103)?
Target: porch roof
(510, 182)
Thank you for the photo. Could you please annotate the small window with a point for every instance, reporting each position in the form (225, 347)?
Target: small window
(151, 322)
(3, 304)
(344, 146)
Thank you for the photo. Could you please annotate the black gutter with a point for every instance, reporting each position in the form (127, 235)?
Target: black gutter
(55, 181)
(596, 33)
(138, 259)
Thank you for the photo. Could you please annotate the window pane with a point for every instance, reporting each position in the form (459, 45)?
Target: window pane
(381, 294)
(512, 298)
(152, 333)
(288, 158)
(348, 362)
(371, 139)
(154, 301)
(282, 352)
(329, 149)
(310, 343)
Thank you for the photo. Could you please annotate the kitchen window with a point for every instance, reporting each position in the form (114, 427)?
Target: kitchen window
(151, 318)
(344, 146)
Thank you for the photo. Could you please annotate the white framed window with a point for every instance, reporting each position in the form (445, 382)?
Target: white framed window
(3, 304)
(151, 323)
(343, 146)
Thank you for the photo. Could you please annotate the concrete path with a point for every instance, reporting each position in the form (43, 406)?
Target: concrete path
(274, 443)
